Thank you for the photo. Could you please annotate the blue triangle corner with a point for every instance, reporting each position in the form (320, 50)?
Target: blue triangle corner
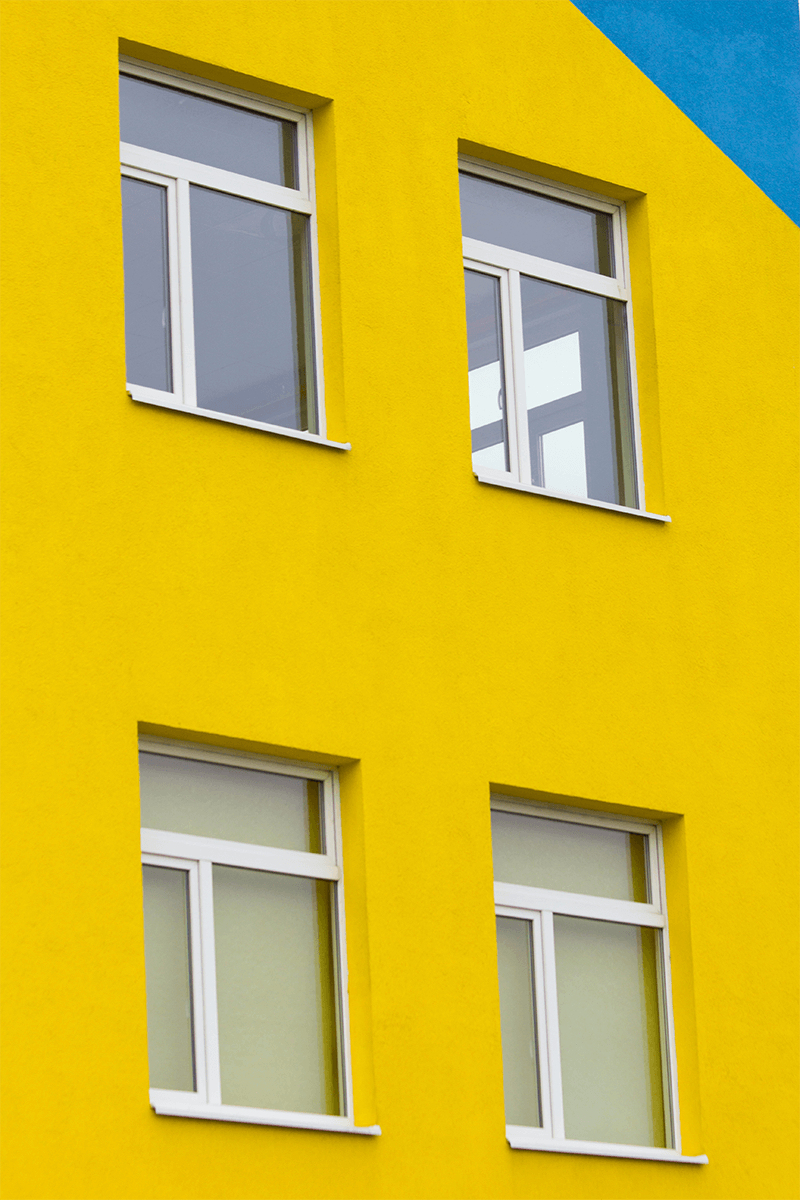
(732, 66)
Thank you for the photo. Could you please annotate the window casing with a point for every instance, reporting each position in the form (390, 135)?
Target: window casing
(588, 1044)
(221, 282)
(553, 404)
(244, 940)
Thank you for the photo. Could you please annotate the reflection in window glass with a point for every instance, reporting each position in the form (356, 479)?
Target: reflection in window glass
(253, 328)
(608, 1018)
(564, 460)
(533, 224)
(207, 131)
(487, 404)
(553, 370)
(147, 319)
(577, 394)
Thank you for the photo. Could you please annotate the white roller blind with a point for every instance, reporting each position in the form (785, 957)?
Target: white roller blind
(275, 991)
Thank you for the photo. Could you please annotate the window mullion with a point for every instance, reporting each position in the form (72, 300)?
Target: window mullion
(175, 315)
(667, 1072)
(545, 1092)
(185, 300)
(332, 833)
(342, 1012)
(519, 414)
(305, 161)
(634, 407)
(622, 270)
(198, 1005)
(657, 896)
(666, 1023)
(551, 1025)
(210, 1029)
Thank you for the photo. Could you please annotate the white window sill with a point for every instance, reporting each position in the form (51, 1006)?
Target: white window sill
(298, 434)
(496, 481)
(264, 1116)
(519, 1137)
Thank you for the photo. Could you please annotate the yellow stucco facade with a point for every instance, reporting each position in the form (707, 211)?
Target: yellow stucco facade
(381, 610)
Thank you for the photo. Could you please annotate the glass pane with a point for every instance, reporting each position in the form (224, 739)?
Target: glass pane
(232, 803)
(276, 991)
(609, 1028)
(147, 321)
(533, 224)
(518, 1022)
(253, 329)
(487, 403)
(565, 856)
(169, 987)
(207, 131)
(576, 392)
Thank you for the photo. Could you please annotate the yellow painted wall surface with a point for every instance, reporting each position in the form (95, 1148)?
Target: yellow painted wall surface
(383, 609)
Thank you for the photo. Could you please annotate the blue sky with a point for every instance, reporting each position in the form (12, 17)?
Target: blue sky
(733, 66)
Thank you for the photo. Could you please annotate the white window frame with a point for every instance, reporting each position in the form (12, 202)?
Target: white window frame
(196, 855)
(538, 906)
(507, 266)
(176, 175)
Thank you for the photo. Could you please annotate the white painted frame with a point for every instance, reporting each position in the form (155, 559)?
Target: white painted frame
(508, 265)
(176, 175)
(538, 907)
(196, 855)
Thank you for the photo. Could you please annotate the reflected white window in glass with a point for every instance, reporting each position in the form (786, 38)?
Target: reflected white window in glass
(551, 382)
(244, 938)
(219, 245)
(584, 981)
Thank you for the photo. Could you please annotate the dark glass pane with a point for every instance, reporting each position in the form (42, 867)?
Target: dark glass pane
(533, 224)
(487, 405)
(576, 393)
(253, 330)
(207, 131)
(147, 322)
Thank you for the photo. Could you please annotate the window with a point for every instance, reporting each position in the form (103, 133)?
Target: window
(244, 939)
(219, 241)
(583, 966)
(551, 382)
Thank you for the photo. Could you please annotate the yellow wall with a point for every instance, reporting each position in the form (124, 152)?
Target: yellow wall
(383, 609)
